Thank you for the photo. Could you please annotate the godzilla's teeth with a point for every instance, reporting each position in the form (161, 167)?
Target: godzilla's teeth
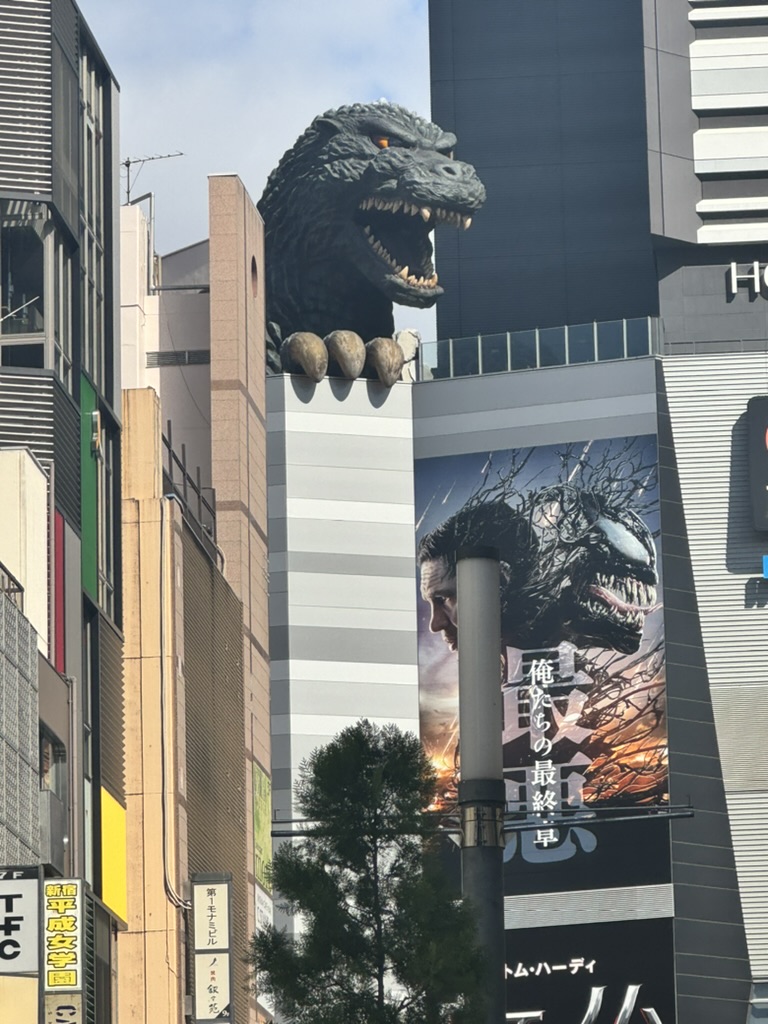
(426, 213)
(466, 222)
(378, 247)
(367, 230)
(403, 273)
(396, 205)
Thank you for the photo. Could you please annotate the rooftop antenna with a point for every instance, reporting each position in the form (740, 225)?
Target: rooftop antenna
(130, 161)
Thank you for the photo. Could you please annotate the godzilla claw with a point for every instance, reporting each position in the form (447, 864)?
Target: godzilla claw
(386, 357)
(304, 352)
(346, 352)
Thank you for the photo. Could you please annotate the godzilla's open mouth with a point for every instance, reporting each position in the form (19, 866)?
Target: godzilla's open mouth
(397, 233)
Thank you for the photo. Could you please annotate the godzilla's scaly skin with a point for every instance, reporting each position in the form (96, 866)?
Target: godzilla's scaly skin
(361, 179)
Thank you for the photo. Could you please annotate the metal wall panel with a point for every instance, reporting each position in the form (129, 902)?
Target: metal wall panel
(19, 738)
(36, 413)
(26, 97)
(748, 813)
(707, 403)
(111, 711)
(589, 906)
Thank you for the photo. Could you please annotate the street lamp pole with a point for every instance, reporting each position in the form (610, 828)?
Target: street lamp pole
(481, 789)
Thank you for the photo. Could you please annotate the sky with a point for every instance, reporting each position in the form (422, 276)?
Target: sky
(231, 84)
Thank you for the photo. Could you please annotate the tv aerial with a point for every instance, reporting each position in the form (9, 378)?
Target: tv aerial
(132, 161)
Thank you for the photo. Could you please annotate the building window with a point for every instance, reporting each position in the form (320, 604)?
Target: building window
(35, 290)
(53, 765)
(92, 222)
(107, 511)
(23, 227)
(62, 312)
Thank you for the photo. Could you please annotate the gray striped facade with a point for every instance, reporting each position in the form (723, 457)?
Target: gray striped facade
(342, 586)
(707, 399)
(343, 610)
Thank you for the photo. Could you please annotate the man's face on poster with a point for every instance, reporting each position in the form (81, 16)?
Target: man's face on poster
(438, 588)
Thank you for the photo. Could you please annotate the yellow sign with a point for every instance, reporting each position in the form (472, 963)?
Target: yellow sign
(62, 935)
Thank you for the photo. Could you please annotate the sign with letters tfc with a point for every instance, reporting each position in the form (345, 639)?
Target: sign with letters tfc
(63, 934)
(213, 980)
(19, 920)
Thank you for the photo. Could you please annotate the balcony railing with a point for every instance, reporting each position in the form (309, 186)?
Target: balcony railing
(11, 587)
(540, 347)
(199, 510)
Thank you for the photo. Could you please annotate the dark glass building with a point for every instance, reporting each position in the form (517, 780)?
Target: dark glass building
(624, 147)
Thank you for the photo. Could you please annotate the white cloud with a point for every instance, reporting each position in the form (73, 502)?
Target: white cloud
(233, 84)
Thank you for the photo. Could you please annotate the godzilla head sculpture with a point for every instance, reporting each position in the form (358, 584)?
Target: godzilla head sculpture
(347, 215)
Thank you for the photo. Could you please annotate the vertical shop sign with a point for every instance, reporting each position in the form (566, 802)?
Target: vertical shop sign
(63, 935)
(212, 933)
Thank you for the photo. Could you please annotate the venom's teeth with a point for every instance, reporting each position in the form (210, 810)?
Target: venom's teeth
(426, 213)
(467, 222)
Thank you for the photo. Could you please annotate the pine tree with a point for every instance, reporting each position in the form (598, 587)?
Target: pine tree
(383, 940)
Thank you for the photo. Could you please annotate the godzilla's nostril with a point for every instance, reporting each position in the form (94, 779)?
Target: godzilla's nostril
(451, 169)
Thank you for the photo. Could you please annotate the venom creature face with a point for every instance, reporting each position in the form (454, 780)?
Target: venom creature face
(597, 566)
(348, 213)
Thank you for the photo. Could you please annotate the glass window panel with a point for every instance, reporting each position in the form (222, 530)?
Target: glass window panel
(428, 355)
(581, 343)
(22, 268)
(638, 337)
(466, 357)
(494, 348)
(523, 345)
(610, 340)
(552, 346)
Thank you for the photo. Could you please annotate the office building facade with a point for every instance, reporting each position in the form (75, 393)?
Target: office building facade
(622, 156)
(60, 441)
(193, 372)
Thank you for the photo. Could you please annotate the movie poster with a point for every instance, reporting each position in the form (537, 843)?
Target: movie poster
(620, 971)
(581, 659)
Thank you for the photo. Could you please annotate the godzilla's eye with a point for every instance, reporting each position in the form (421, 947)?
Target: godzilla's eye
(381, 141)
